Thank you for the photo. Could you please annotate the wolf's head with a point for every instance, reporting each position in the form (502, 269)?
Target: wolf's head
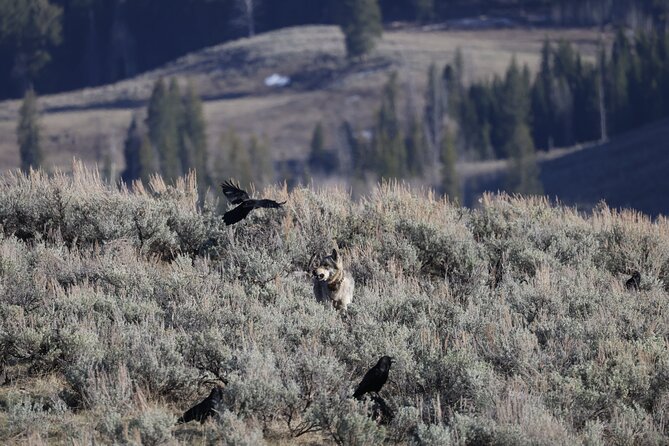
(329, 268)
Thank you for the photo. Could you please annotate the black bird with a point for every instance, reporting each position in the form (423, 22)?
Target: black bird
(375, 377)
(634, 281)
(235, 195)
(204, 409)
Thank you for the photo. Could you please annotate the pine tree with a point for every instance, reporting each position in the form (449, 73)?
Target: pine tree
(32, 29)
(601, 95)
(176, 114)
(234, 160)
(543, 110)
(28, 133)
(618, 83)
(562, 101)
(139, 156)
(388, 143)
(450, 182)
(435, 106)
(360, 153)
(474, 117)
(361, 25)
(194, 138)
(512, 104)
(523, 175)
(317, 149)
(108, 162)
(416, 147)
(263, 165)
(162, 121)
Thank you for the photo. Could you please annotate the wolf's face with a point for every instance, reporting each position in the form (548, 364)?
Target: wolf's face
(328, 268)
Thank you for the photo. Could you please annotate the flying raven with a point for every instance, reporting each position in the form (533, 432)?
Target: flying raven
(375, 377)
(634, 281)
(204, 409)
(237, 196)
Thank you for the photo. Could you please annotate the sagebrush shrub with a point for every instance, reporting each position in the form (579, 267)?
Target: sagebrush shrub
(510, 323)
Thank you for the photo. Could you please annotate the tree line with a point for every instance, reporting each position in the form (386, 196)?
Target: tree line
(56, 45)
(569, 100)
(170, 138)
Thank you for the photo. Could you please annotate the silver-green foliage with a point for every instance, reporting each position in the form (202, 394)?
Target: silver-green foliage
(510, 323)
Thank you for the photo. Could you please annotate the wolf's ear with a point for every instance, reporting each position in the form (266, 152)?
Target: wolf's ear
(311, 263)
(335, 254)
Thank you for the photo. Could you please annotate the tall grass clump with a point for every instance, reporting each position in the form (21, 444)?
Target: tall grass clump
(510, 323)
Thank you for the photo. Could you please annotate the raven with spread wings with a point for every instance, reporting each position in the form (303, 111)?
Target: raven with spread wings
(244, 203)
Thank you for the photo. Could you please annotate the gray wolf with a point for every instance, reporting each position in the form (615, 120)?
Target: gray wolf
(331, 282)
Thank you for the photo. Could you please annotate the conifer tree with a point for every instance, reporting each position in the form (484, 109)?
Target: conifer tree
(140, 161)
(194, 138)
(450, 182)
(28, 133)
(361, 25)
(131, 152)
(108, 162)
(474, 116)
(513, 104)
(32, 28)
(263, 165)
(317, 148)
(435, 106)
(618, 83)
(562, 101)
(162, 121)
(176, 112)
(601, 90)
(359, 150)
(389, 147)
(416, 147)
(543, 111)
(234, 160)
(454, 81)
(523, 174)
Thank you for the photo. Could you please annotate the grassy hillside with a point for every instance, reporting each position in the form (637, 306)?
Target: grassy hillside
(86, 123)
(510, 323)
(627, 172)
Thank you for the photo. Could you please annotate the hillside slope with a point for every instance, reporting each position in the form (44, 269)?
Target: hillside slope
(509, 324)
(324, 87)
(630, 171)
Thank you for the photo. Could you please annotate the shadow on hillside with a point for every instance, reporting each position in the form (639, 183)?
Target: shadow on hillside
(630, 171)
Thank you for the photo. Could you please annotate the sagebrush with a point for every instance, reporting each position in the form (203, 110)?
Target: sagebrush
(510, 323)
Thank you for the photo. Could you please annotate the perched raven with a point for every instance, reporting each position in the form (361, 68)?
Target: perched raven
(237, 196)
(634, 281)
(204, 409)
(375, 377)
